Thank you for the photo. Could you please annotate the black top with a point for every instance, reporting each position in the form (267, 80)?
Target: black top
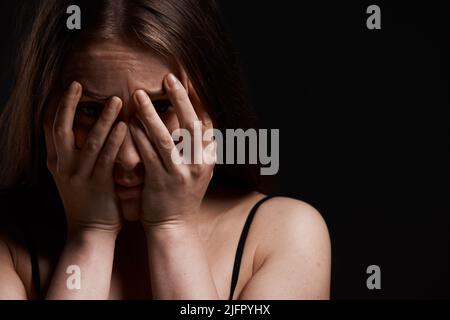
(236, 266)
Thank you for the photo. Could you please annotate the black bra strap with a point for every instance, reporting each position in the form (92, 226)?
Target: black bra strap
(240, 248)
(36, 274)
(36, 277)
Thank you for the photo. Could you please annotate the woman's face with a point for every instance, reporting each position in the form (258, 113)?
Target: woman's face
(111, 68)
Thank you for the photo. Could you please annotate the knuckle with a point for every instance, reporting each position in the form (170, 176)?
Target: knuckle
(190, 126)
(59, 131)
(181, 179)
(150, 156)
(197, 170)
(104, 159)
(207, 123)
(110, 147)
(212, 160)
(75, 181)
(210, 156)
(92, 146)
(112, 144)
(165, 143)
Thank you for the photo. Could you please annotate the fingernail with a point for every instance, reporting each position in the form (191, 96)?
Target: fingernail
(142, 97)
(172, 81)
(121, 126)
(75, 87)
(115, 102)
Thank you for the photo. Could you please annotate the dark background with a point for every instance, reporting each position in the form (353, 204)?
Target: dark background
(363, 124)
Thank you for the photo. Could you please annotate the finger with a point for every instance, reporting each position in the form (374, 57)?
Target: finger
(199, 107)
(98, 136)
(146, 150)
(105, 162)
(210, 153)
(155, 128)
(50, 147)
(186, 115)
(63, 124)
(180, 101)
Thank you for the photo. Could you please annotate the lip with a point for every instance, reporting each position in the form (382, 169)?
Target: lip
(130, 192)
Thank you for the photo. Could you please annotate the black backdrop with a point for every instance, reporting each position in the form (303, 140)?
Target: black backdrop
(363, 127)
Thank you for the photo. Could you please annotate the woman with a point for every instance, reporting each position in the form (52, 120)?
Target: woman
(96, 107)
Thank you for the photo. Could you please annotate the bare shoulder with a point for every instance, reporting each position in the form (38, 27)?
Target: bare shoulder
(292, 259)
(282, 220)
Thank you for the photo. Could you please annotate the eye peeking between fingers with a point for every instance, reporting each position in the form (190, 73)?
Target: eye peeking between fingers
(89, 111)
(162, 106)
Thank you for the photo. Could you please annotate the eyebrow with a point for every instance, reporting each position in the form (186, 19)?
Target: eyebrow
(96, 96)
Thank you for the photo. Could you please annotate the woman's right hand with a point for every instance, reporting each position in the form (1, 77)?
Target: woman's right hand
(84, 178)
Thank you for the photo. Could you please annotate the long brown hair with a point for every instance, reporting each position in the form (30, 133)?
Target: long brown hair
(189, 31)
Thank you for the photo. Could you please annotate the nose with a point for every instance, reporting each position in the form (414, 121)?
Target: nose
(128, 157)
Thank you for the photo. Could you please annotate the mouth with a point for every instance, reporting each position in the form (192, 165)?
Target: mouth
(131, 192)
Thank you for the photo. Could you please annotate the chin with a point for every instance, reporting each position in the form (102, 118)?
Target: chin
(130, 209)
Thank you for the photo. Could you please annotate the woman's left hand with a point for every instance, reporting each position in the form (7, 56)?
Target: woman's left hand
(173, 189)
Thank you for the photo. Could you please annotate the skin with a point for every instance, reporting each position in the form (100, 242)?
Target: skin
(183, 236)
